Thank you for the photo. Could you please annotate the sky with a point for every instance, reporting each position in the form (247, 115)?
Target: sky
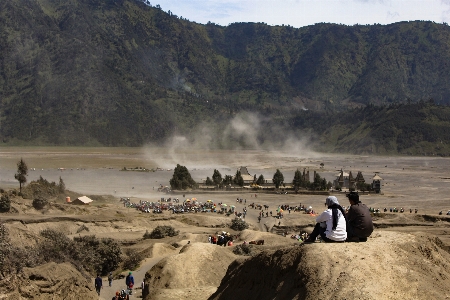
(299, 13)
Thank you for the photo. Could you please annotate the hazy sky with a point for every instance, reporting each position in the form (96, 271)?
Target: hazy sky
(299, 13)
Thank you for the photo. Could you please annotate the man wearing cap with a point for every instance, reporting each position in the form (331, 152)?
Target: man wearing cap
(359, 221)
(330, 224)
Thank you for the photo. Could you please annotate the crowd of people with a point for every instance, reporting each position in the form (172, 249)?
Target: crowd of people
(337, 223)
(395, 209)
(222, 239)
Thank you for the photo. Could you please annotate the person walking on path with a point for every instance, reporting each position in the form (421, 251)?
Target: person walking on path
(110, 278)
(129, 281)
(98, 284)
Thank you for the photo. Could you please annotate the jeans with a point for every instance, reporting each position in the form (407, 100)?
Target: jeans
(318, 230)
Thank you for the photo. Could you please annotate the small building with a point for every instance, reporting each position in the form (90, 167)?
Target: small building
(346, 180)
(83, 200)
(248, 179)
(376, 183)
(342, 180)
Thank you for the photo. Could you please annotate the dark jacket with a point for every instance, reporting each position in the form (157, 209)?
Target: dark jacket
(129, 280)
(359, 221)
(98, 282)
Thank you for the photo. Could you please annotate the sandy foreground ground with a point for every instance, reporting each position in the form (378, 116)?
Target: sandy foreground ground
(193, 270)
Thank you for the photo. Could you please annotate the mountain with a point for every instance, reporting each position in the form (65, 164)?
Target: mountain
(123, 73)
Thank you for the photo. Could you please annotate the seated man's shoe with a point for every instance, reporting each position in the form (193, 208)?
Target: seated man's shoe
(353, 239)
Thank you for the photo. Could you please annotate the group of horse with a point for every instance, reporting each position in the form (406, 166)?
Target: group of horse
(259, 206)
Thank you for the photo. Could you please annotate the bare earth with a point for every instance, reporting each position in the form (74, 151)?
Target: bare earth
(402, 260)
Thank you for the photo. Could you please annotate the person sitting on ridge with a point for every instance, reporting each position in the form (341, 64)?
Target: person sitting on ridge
(331, 224)
(359, 221)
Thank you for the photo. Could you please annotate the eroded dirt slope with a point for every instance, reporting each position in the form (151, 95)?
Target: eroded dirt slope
(390, 265)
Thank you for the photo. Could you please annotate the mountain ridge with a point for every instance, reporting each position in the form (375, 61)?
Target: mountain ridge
(123, 73)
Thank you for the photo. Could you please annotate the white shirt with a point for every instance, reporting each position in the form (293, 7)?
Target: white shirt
(340, 233)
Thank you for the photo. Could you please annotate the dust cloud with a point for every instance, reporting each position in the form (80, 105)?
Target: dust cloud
(218, 147)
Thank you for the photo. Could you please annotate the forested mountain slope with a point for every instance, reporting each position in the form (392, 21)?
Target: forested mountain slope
(120, 72)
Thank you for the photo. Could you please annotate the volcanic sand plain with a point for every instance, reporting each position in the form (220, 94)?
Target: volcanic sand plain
(409, 182)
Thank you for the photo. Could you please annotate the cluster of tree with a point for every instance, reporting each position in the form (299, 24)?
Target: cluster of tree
(44, 188)
(278, 180)
(39, 190)
(362, 186)
(318, 183)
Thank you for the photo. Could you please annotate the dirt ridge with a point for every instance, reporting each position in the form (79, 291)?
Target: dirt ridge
(390, 265)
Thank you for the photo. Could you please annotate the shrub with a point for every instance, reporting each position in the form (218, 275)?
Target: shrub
(110, 255)
(238, 224)
(86, 253)
(161, 232)
(132, 260)
(243, 250)
(13, 259)
(100, 255)
(5, 203)
(4, 245)
(56, 245)
(39, 202)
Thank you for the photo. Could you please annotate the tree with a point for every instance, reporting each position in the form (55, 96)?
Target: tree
(22, 172)
(209, 181)
(362, 186)
(238, 180)
(278, 178)
(298, 180)
(260, 180)
(5, 203)
(319, 184)
(228, 179)
(217, 177)
(181, 179)
(61, 186)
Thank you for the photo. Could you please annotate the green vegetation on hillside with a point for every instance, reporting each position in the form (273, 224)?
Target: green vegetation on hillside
(124, 73)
